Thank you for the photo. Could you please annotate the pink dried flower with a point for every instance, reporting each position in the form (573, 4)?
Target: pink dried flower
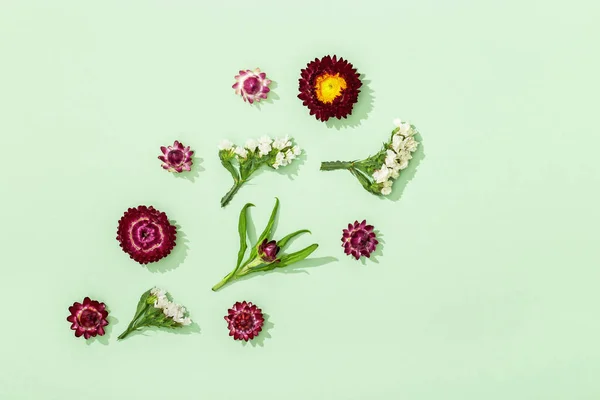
(359, 239)
(252, 85)
(88, 318)
(176, 158)
(244, 321)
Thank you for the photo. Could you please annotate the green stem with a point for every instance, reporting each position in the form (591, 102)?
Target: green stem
(131, 328)
(227, 198)
(334, 165)
(223, 281)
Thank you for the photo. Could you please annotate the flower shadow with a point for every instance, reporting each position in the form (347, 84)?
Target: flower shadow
(177, 256)
(409, 173)
(271, 96)
(296, 268)
(183, 330)
(378, 250)
(194, 173)
(107, 332)
(263, 335)
(361, 109)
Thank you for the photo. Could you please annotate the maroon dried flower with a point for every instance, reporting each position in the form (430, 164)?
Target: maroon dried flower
(329, 87)
(268, 250)
(146, 234)
(176, 158)
(88, 318)
(244, 321)
(359, 240)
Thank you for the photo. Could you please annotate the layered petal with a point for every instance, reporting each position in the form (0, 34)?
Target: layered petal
(244, 321)
(329, 87)
(146, 234)
(359, 239)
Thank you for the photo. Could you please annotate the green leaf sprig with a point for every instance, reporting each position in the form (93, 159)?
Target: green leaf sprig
(265, 254)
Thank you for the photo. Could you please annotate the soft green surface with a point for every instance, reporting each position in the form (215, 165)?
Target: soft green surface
(486, 287)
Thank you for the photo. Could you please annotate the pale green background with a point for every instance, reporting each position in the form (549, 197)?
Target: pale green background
(486, 286)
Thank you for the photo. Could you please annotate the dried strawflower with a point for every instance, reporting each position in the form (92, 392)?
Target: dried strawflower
(88, 318)
(244, 321)
(252, 85)
(359, 239)
(329, 87)
(176, 158)
(146, 234)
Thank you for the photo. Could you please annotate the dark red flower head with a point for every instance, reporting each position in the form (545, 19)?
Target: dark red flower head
(244, 321)
(359, 240)
(88, 318)
(329, 87)
(268, 250)
(146, 234)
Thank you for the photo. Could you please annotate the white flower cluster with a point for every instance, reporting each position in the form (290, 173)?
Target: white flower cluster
(170, 309)
(265, 145)
(403, 145)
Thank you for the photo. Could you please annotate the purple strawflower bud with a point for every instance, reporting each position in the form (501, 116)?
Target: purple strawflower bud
(268, 251)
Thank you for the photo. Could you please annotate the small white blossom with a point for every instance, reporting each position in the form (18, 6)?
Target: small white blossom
(410, 144)
(186, 321)
(381, 175)
(241, 152)
(225, 145)
(264, 145)
(279, 160)
(387, 188)
(289, 156)
(405, 129)
(251, 144)
(390, 158)
(282, 143)
(296, 149)
(398, 143)
(395, 172)
(403, 164)
(397, 122)
(265, 140)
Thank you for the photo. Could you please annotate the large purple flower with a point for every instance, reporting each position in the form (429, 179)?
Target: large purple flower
(146, 234)
(359, 239)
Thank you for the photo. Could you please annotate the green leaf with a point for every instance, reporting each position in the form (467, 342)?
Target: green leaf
(281, 243)
(267, 232)
(229, 167)
(242, 230)
(289, 259)
(364, 181)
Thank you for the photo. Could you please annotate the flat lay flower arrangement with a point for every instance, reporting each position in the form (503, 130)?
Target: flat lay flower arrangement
(329, 87)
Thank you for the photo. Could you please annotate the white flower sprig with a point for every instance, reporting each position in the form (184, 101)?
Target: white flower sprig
(155, 309)
(378, 172)
(253, 155)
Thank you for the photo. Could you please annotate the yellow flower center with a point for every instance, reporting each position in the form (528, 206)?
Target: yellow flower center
(328, 87)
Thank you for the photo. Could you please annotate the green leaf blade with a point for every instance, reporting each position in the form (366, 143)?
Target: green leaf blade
(292, 258)
(284, 241)
(243, 232)
(267, 232)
